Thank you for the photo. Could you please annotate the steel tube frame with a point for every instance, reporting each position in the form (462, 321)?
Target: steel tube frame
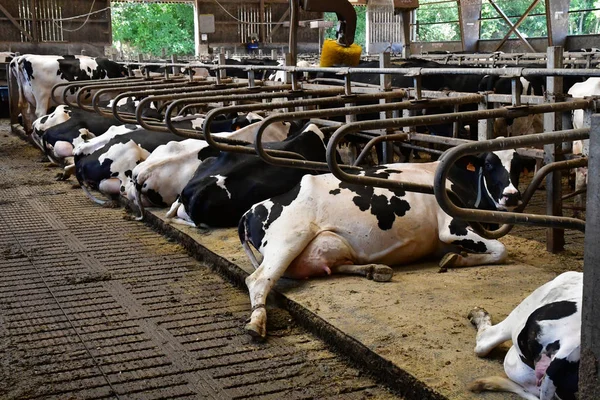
(115, 88)
(220, 143)
(138, 91)
(71, 84)
(452, 155)
(265, 154)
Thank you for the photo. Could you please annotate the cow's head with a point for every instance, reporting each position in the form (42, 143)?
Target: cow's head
(489, 181)
(500, 171)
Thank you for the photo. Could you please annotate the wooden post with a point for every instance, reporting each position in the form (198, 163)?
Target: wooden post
(555, 238)
(469, 17)
(589, 384)
(557, 19)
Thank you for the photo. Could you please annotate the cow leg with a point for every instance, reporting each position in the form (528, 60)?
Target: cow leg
(521, 379)
(488, 335)
(276, 260)
(477, 250)
(376, 272)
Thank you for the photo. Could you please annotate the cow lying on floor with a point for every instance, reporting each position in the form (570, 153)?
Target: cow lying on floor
(225, 187)
(164, 174)
(325, 226)
(545, 330)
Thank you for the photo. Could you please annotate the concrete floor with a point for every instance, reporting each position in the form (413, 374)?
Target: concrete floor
(412, 331)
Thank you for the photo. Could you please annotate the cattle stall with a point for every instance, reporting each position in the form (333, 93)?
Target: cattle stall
(353, 298)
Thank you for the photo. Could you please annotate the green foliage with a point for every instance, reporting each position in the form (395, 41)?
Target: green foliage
(438, 21)
(582, 21)
(361, 26)
(150, 27)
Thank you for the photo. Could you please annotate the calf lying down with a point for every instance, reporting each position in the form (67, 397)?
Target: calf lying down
(325, 226)
(545, 330)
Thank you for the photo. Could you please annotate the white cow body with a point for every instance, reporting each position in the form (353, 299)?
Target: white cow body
(591, 87)
(171, 166)
(324, 226)
(90, 146)
(545, 330)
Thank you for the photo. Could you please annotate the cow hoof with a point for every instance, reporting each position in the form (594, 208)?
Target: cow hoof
(257, 332)
(60, 177)
(380, 273)
(448, 261)
(477, 316)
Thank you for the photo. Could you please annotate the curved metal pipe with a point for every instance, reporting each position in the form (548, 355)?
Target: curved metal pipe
(253, 93)
(221, 143)
(264, 154)
(77, 83)
(432, 119)
(452, 155)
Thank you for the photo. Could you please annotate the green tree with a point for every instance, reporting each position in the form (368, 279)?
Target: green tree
(584, 17)
(148, 28)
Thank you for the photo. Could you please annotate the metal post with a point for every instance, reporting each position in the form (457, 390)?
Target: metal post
(385, 83)
(222, 72)
(589, 387)
(555, 238)
(485, 127)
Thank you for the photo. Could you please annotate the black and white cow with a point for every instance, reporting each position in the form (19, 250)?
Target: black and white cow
(37, 74)
(545, 329)
(225, 187)
(324, 226)
(163, 175)
(591, 87)
(109, 167)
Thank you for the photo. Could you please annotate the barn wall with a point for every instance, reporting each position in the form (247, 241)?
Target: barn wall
(35, 26)
(231, 34)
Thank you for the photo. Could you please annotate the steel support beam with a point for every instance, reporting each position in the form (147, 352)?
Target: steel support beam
(589, 384)
(555, 239)
(512, 27)
(557, 19)
(470, 10)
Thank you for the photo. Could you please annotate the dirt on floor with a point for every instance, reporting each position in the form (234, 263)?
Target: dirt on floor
(418, 321)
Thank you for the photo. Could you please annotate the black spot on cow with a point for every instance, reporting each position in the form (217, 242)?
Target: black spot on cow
(565, 376)
(131, 127)
(281, 201)
(155, 198)
(89, 69)
(335, 191)
(128, 173)
(458, 227)
(122, 188)
(527, 339)
(553, 347)
(386, 211)
(471, 245)
(29, 69)
(114, 174)
(383, 209)
(44, 119)
(252, 222)
(207, 152)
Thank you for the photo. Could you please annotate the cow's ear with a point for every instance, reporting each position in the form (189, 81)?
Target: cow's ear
(469, 163)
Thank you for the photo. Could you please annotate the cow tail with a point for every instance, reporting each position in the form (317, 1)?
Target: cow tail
(500, 384)
(243, 234)
(137, 198)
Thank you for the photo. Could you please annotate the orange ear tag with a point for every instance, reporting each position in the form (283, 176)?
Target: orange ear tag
(237, 128)
(470, 167)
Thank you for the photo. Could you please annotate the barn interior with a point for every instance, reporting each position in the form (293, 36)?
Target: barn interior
(125, 294)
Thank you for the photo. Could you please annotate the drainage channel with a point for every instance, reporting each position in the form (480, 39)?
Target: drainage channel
(93, 305)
